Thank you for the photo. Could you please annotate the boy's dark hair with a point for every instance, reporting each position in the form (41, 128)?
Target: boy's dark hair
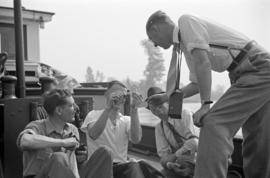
(156, 17)
(55, 98)
(111, 83)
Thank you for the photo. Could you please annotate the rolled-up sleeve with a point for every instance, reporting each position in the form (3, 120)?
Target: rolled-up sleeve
(193, 33)
(31, 128)
(163, 147)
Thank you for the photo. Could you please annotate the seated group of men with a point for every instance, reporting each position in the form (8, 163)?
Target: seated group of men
(49, 145)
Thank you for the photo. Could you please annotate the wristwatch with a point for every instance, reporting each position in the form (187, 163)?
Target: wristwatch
(206, 102)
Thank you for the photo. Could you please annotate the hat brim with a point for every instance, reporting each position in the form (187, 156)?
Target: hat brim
(157, 99)
(149, 98)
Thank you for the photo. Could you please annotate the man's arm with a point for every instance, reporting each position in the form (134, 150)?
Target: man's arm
(204, 78)
(203, 73)
(135, 126)
(30, 141)
(94, 131)
(190, 90)
(168, 158)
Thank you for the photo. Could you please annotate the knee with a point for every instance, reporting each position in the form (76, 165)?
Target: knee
(105, 152)
(60, 157)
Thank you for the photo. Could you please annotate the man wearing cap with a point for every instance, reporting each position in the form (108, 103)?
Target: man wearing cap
(109, 128)
(176, 139)
(49, 145)
(210, 46)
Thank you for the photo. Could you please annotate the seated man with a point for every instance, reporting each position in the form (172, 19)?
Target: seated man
(108, 127)
(175, 138)
(49, 145)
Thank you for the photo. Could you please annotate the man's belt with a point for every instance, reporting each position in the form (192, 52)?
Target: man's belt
(238, 59)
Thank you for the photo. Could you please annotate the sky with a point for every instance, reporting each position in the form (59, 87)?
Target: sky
(106, 34)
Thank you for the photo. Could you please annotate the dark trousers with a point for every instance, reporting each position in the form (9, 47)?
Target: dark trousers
(127, 170)
(99, 165)
(56, 166)
(138, 169)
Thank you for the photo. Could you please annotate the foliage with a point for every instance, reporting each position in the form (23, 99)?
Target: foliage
(154, 70)
(91, 77)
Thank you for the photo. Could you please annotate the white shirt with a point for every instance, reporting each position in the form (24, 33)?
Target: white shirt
(184, 127)
(199, 33)
(114, 137)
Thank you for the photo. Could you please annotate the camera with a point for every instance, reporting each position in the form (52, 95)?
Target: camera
(175, 104)
(118, 97)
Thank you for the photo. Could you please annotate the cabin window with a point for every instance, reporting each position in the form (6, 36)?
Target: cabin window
(7, 40)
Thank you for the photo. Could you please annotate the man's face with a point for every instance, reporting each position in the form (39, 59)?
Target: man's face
(119, 92)
(160, 111)
(159, 35)
(68, 110)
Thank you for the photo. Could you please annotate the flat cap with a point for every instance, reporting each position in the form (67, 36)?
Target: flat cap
(156, 96)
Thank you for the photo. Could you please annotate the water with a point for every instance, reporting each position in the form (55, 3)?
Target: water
(148, 119)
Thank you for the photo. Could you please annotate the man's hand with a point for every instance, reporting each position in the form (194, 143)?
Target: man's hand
(116, 98)
(70, 143)
(168, 158)
(183, 170)
(137, 99)
(198, 115)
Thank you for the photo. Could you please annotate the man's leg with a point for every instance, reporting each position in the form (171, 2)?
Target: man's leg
(99, 165)
(256, 145)
(56, 166)
(127, 170)
(168, 173)
(150, 171)
(222, 122)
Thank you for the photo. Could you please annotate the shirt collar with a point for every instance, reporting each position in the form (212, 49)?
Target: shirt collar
(175, 34)
(51, 128)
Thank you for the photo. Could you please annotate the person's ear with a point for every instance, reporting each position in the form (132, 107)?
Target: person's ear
(58, 110)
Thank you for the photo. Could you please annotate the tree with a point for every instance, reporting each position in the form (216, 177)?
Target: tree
(154, 70)
(132, 85)
(99, 77)
(90, 77)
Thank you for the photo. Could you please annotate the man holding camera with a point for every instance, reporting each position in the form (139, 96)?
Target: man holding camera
(176, 139)
(211, 46)
(109, 128)
(49, 144)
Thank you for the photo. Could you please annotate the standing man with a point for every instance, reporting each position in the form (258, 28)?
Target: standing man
(210, 46)
(176, 139)
(109, 128)
(49, 145)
